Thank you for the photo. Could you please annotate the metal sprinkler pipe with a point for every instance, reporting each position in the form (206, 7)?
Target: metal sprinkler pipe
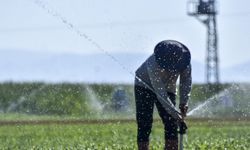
(182, 130)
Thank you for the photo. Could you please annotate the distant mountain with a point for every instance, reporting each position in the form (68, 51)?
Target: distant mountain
(237, 73)
(119, 67)
(27, 66)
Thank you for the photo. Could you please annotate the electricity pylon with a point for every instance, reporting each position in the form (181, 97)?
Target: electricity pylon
(205, 11)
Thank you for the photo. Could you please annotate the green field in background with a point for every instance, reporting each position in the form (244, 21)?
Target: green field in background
(68, 99)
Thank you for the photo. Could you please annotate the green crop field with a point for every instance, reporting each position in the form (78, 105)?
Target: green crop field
(202, 135)
(83, 116)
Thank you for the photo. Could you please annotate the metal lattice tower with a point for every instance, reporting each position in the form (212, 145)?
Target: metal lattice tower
(205, 11)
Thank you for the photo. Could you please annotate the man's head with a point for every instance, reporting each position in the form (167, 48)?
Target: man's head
(172, 55)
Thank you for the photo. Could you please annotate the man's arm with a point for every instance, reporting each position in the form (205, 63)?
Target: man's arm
(185, 88)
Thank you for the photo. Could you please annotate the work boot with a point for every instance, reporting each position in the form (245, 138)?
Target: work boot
(171, 145)
(143, 145)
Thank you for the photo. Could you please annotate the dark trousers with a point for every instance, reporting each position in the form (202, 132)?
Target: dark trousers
(145, 100)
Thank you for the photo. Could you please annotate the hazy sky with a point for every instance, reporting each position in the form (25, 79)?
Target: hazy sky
(122, 26)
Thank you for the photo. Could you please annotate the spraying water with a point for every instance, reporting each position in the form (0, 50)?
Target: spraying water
(54, 13)
(22, 99)
(232, 102)
(94, 102)
(65, 21)
(207, 103)
(209, 108)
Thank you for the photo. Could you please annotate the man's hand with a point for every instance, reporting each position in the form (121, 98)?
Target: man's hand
(183, 108)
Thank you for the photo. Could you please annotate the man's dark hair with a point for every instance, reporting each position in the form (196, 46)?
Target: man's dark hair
(172, 55)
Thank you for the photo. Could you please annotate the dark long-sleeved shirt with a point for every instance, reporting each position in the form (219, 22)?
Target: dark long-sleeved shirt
(164, 81)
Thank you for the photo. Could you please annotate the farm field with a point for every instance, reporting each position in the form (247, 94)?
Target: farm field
(202, 135)
(83, 116)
